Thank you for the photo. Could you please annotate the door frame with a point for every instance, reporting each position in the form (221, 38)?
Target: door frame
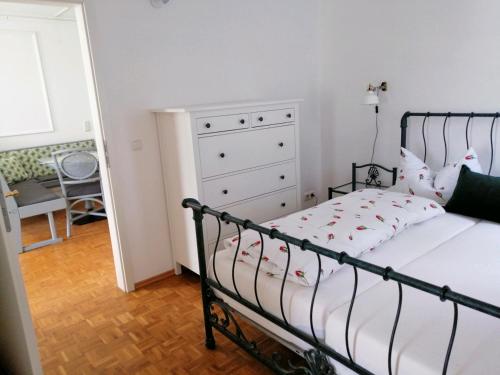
(21, 350)
(123, 269)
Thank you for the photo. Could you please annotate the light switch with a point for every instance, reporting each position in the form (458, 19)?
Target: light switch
(136, 144)
(87, 125)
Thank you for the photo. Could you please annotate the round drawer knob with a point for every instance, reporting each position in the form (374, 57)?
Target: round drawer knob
(283, 204)
(261, 119)
(226, 222)
(208, 125)
(282, 177)
(289, 115)
(281, 144)
(222, 155)
(225, 191)
(242, 121)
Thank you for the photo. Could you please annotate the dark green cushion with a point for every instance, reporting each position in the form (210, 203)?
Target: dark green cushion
(476, 195)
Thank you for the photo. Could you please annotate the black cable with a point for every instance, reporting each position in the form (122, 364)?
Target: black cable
(376, 134)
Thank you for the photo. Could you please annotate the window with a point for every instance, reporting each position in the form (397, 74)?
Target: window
(24, 101)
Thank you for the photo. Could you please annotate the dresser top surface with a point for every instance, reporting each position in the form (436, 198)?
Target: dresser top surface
(221, 106)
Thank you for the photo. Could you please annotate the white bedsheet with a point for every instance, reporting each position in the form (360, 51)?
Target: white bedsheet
(425, 323)
(337, 290)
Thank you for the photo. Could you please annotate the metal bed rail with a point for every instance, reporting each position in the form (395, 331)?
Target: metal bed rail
(317, 358)
(447, 115)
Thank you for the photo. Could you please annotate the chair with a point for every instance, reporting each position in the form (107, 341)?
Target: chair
(80, 181)
(26, 199)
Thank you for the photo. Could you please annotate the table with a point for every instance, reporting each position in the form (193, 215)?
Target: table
(371, 182)
(350, 187)
(49, 161)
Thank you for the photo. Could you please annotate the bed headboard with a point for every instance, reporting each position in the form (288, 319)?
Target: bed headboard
(446, 117)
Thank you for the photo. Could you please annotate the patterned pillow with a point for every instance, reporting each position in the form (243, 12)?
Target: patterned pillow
(416, 178)
(12, 170)
(30, 157)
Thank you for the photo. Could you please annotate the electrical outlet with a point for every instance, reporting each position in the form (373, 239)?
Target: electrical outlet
(309, 195)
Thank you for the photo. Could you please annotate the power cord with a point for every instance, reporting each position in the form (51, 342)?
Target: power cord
(376, 134)
(315, 199)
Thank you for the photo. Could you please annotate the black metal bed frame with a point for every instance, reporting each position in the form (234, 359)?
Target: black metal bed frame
(447, 115)
(317, 359)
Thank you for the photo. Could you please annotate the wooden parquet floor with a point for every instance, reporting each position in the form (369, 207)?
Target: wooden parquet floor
(86, 325)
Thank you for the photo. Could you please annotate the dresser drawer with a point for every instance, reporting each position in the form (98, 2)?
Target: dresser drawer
(227, 190)
(233, 152)
(222, 123)
(258, 210)
(278, 116)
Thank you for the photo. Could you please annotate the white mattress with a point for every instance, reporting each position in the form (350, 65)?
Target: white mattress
(425, 323)
(337, 290)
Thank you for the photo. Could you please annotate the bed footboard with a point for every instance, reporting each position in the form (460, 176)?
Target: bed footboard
(319, 359)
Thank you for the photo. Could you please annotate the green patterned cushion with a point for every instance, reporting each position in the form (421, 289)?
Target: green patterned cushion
(30, 157)
(12, 170)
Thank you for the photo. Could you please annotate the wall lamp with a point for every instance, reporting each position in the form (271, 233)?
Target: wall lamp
(371, 97)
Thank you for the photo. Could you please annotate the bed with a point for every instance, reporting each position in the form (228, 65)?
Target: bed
(336, 290)
(425, 325)
(366, 317)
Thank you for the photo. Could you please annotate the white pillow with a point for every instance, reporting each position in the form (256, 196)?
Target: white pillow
(416, 178)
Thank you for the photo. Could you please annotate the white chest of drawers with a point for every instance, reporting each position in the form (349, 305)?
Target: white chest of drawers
(241, 158)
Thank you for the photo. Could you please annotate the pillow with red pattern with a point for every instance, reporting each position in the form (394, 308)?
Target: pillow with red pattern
(416, 178)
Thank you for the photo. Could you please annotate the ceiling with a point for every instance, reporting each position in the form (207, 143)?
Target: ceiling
(61, 12)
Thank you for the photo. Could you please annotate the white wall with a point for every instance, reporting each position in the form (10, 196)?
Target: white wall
(435, 55)
(192, 52)
(61, 59)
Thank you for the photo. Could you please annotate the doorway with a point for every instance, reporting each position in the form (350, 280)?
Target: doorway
(86, 128)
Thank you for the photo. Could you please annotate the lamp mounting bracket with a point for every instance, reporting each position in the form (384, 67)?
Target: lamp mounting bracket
(381, 87)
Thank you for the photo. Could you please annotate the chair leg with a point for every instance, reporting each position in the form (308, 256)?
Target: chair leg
(15, 223)
(52, 225)
(53, 234)
(68, 222)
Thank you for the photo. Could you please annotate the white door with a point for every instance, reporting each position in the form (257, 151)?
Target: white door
(19, 348)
